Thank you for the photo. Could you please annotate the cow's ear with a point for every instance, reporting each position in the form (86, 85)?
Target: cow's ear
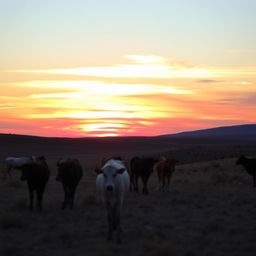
(120, 171)
(98, 171)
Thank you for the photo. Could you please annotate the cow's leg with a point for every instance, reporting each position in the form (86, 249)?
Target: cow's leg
(168, 182)
(114, 222)
(64, 204)
(72, 196)
(8, 171)
(159, 181)
(136, 188)
(118, 223)
(31, 197)
(164, 183)
(132, 182)
(39, 194)
(110, 221)
(145, 181)
(68, 199)
(23, 176)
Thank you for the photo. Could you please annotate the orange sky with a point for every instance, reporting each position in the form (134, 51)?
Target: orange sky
(148, 95)
(124, 68)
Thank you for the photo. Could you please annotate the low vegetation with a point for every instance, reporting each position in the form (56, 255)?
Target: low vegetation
(209, 210)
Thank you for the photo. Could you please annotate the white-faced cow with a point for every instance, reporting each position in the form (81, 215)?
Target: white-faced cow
(36, 174)
(69, 174)
(141, 167)
(112, 183)
(16, 163)
(165, 168)
(250, 166)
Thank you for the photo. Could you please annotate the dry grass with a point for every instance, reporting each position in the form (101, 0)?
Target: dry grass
(210, 210)
(11, 221)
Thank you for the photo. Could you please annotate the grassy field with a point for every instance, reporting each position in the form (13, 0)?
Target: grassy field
(210, 209)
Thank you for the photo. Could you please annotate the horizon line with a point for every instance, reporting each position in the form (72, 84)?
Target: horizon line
(123, 136)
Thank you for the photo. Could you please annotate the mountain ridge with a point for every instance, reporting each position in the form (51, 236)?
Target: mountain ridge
(240, 130)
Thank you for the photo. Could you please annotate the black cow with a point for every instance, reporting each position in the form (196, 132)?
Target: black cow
(37, 175)
(250, 166)
(69, 173)
(141, 167)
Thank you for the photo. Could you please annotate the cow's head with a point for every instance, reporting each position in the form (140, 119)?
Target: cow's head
(110, 174)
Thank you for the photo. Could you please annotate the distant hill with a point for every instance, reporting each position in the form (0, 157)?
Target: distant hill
(227, 133)
(245, 130)
(193, 146)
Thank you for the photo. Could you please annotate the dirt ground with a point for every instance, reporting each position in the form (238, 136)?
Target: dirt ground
(210, 209)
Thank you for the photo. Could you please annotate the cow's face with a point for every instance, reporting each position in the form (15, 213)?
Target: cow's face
(109, 176)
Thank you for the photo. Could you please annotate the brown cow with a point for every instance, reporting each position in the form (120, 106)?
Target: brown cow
(165, 167)
(69, 174)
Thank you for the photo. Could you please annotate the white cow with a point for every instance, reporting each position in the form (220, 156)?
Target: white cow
(16, 163)
(112, 183)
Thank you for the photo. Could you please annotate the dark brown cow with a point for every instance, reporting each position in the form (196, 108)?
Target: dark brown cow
(165, 168)
(250, 166)
(36, 174)
(141, 167)
(69, 174)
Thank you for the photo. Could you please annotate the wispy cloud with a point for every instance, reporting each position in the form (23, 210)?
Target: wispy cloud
(142, 59)
(149, 96)
(209, 81)
(144, 67)
(6, 106)
(151, 67)
(102, 88)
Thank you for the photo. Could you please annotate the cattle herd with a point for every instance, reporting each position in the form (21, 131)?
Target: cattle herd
(114, 179)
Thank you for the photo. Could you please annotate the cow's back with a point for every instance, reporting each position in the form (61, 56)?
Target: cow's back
(142, 166)
(73, 174)
(69, 172)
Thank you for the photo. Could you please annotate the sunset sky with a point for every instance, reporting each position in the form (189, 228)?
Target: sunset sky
(126, 67)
